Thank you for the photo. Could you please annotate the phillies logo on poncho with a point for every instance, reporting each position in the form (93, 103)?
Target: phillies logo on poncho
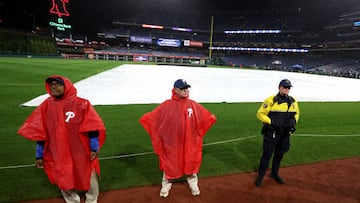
(190, 112)
(69, 115)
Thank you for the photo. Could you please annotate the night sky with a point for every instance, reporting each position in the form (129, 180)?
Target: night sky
(90, 16)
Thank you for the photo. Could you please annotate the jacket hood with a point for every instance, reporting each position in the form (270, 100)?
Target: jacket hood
(69, 88)
(174, 96)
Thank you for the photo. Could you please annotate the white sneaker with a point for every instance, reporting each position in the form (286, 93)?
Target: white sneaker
(164, 193)
(193, 184)
(195, 191)
(165, 187)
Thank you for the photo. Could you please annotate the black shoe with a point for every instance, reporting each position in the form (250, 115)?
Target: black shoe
(258, 182)
(277, 178)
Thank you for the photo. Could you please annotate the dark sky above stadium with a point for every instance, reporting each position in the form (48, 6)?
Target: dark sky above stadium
(90, 16)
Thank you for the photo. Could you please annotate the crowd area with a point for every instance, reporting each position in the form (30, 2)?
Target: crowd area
(329, 47)
(322, 47)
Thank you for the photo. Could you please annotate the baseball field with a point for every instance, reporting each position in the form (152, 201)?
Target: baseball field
(326, 131)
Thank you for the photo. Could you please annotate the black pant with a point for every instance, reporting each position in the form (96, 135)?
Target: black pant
(277, 143)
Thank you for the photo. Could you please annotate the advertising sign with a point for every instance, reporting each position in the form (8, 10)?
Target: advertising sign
(144, 40)
(168, 42)
(191, 43)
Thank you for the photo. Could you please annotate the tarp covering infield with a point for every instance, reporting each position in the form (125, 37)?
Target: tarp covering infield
(143, 84)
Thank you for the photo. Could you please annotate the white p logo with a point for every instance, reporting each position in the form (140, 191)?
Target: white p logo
(69, 115)
(190, 112)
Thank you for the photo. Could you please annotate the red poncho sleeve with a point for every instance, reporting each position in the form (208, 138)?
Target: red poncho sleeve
(33, 128)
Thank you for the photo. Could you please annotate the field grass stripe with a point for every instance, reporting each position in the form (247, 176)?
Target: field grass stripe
(20, 84)
(126, 155)
(207, 144)
(17, 166)
(146, 153)
(315, 135)
(232, 140)
(131, 155)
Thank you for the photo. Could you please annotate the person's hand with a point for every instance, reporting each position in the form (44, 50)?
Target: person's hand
(93, 155)
(39, 163)
(291, 126)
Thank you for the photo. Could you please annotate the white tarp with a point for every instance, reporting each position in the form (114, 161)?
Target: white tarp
(142, 84)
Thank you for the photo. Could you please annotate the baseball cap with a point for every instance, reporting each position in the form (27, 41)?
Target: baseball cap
(56, 79)
(181, 84)
(285, 83)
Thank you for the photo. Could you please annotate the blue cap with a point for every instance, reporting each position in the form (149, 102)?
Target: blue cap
(181, 84)
(56, 79)
(285, 83)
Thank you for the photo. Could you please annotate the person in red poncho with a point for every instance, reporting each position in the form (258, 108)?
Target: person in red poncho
(177, 128)
(69, 135)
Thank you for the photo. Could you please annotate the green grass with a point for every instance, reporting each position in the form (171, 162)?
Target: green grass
(22, 79)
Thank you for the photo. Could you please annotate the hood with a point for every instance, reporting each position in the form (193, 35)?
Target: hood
(69, 88)
(174, 96)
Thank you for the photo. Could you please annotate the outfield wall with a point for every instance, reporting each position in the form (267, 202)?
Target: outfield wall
(156, 58)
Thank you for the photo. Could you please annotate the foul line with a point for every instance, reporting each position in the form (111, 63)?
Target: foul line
(314, 135)
(208, 144)
(232, 140)
(20, 84)
(126, 155)
(146, 153)
(18, 166)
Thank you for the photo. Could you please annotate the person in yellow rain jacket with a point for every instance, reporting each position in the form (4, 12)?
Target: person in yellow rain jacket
(279, 114)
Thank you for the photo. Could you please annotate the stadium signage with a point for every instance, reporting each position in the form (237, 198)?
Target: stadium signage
(60, 25)
(145, 40)
(59, 9)
(190, 43)
(140, 58)
(168, 42)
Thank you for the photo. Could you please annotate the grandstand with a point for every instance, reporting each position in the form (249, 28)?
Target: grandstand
(321, 42)
(320, 46)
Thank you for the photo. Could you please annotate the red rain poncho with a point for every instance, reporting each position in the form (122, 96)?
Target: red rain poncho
(64, 124)
(177, 128)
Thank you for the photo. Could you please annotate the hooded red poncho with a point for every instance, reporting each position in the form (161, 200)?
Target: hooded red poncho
(64, 124)
(177, 128)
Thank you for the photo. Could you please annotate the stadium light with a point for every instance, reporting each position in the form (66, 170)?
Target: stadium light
(182, 29)
(153, 26)
(252, 31)
(260, 49)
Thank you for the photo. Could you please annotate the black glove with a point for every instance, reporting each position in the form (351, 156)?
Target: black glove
(291, 125)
